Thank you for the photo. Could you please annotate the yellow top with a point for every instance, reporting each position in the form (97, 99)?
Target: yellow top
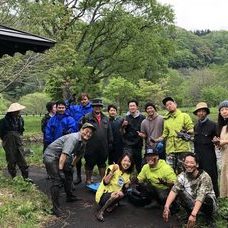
(117, 182)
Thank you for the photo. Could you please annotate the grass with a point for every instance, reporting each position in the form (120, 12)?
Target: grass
(22, 204)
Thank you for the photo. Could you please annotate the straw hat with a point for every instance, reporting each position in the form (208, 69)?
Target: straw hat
(201, 105)
(14, 107)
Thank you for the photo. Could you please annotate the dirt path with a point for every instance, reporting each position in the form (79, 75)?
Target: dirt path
(81, 213)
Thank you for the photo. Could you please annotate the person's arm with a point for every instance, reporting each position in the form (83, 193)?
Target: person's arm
(62, 160)
(171, 197)
(48, 133)
(110, 173)
(188, 124)
(223, 142)
(142, 132)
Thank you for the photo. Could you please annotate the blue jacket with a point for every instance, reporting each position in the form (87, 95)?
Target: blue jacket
(78, 111)
(58, 126)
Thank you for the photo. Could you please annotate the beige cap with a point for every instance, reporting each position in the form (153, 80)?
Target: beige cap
(88, 125)
(14, 107)
(201, 105)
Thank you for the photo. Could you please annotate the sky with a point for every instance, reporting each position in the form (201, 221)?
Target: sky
(200, 14)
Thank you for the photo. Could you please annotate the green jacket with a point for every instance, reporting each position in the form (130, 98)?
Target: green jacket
(151, 175)
(175, 122)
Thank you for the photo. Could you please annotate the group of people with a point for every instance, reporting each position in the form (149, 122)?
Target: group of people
(171, 172)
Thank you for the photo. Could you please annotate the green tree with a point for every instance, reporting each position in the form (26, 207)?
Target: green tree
(35, 102)
(214, 94)
(148, 90)
(119, 91)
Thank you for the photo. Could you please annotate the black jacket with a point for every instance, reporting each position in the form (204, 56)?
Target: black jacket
(10, 123)
(103, 135)
(130, 134)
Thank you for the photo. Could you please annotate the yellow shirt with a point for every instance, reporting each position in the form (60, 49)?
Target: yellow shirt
(116, 184)
(162, 170)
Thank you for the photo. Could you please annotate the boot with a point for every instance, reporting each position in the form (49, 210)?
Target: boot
(79, 177)
(57, 211)
(100, 214)
(88, 176)
(12, 170)
(101, 172)
(24, 172)
(72, 198)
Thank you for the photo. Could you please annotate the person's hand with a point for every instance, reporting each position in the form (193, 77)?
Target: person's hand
(141, 134)
(166, 213)
(191, 221)
(216, 140)
(125, 123)
(115, 167)
(162, 181)
(222, 142)
(62, 175)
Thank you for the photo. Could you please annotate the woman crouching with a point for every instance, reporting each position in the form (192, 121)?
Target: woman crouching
(114, 184)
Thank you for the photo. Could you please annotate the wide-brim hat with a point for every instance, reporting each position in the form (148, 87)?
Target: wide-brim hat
(97, 102)
(201, 105)
(88, 125)
(14, 107)
(167, 99)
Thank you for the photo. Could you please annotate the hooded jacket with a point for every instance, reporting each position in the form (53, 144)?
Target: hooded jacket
(59, 125)
(162, 170)
(78, 111)
(175, 122)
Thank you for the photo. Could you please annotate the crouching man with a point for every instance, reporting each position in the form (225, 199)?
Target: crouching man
(194, 190)
(155, 179)
(58, 159)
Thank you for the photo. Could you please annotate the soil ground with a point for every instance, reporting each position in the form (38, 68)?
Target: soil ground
(81, 214)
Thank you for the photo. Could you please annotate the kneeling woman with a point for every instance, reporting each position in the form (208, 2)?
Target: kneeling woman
(114, 184)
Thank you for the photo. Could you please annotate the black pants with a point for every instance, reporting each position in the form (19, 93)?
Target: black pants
(136, 152)
(52, 167)
(12, 144)
(187, 202)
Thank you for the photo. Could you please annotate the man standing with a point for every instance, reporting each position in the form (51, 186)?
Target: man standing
(11, 130)
(131, 133)
(204, 132)
(77, 111)
(195, 191)
(97, 147)
(56, 156)
(116, 151)
(60, 124)
(177, 129)
(152, 127)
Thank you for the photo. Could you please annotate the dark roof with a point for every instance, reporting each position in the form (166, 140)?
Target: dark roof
(12, 40)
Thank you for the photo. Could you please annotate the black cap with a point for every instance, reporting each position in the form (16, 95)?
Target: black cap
(167, 99)
(151, 152)
(97, 102)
